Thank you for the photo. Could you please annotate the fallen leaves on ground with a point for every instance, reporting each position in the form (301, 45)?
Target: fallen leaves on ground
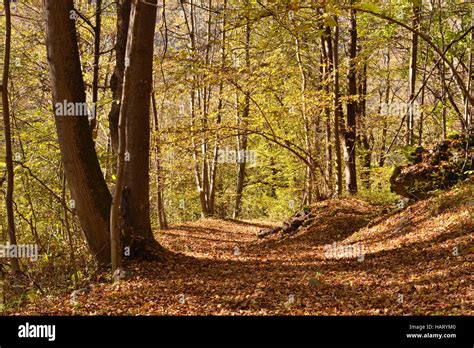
(416, 262)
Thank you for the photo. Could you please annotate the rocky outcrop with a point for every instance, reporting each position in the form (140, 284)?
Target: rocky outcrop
(439, 168)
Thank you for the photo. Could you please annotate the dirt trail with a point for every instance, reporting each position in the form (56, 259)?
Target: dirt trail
(410, 266)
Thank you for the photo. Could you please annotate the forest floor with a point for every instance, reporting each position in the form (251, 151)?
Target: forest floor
(417, 261)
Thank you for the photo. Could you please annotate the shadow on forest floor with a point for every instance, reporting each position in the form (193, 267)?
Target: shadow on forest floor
(219, 267)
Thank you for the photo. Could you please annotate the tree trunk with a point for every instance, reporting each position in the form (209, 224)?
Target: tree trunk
(200, 178)
(8, 138)
(423, 93)
(350, 133)
(333, 56)
(116, 81)
(95, 78)
(160, 206)
(220, 107)
(468, 108)
(412, 77)
(309, 168)
(140, 77)
(326, 73)
(383, 148)
(206, 97)
(81, 166)
(242, 147)
(366, 132)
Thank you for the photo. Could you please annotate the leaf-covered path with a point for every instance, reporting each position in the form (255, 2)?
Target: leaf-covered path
(418, 261)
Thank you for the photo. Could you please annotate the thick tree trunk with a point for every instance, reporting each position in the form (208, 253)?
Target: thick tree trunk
(350, 134)
(86, 182)
(140, 75)
(8, 138)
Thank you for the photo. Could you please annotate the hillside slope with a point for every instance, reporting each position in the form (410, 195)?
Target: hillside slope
(416, 261)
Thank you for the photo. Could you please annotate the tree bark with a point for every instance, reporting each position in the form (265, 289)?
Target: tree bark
(95, 78)
(242, 138)
(333, 68)
(325, 73)
(137, 110)
(350, 133)
(309, 168)
(383, 147)
(81, 166)
(8, 138)
(366, 132)
(220, 107)
(469, 108)
(160, 206)
(116, 81)
(412, 77)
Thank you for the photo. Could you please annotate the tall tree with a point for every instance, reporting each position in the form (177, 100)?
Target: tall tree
(135, 109)
(412, 75)
(309, 168)
(116, 81)
(386, 97)
(366, 135)
(95, 75)
(8, 138)
(468, 107)
(324, 65)
(242, 137)
(333, 69)
(160, 206)
(220, 109)
(350, 133)
(81, 166)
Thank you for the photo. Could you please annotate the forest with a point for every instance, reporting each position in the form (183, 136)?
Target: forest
(237, 157)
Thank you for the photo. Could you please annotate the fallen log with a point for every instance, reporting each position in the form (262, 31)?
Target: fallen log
(290, 226)
(268, 231)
